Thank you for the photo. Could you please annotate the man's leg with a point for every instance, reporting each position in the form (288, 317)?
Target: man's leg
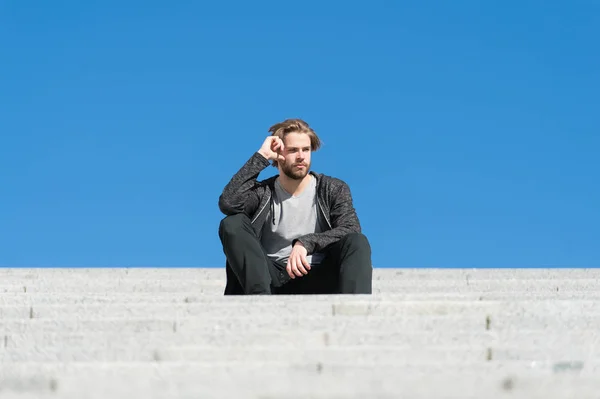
(232, 286)
(346, 269)
(319, 280)
(350, 258)
(246, 260)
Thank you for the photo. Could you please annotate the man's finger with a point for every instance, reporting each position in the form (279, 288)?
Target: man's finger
(288, 268)
(295, 265)
(300, 265)
(277, 145)
(305, 262)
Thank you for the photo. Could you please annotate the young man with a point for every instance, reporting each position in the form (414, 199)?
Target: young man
(293, 233)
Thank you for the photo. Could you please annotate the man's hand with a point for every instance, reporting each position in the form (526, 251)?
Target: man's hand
(272, 149)
(297, 264)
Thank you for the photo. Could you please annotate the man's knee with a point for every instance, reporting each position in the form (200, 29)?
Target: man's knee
(357, 241)
(356, 246)
(230, 225)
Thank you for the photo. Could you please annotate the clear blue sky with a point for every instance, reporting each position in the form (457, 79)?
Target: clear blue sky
(467, 130)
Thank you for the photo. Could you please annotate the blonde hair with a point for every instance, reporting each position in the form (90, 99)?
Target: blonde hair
(295, 125)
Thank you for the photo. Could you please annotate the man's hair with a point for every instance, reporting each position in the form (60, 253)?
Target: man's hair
(295, 125)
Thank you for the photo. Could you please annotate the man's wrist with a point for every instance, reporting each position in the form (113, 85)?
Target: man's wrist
(298, 243)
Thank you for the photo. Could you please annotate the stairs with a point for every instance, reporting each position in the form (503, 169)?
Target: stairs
(424, 333)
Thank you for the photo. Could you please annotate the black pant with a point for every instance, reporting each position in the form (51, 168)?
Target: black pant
(345, 269)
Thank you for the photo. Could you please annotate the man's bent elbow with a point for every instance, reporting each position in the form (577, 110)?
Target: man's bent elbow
(226, 207)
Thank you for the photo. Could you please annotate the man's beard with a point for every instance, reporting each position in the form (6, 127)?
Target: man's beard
(294, 173)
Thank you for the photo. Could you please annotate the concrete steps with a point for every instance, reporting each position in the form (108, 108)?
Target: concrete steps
(189, 381)
(170, 333)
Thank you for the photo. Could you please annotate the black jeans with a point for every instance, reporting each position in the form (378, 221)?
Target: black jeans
(345, 269)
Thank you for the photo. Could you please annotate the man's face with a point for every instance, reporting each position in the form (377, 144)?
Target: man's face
(297, 156)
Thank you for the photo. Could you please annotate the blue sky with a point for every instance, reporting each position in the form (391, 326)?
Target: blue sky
(467, 131)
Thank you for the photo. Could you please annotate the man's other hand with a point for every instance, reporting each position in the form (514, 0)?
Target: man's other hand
(272, 149)
(297, 264)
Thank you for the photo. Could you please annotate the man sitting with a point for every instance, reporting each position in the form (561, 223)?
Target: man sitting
(293, 233)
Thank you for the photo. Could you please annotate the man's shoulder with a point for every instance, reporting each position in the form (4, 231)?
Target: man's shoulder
(330, 183)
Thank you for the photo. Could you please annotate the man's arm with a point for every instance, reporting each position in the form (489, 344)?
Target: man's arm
(344, 220)
(240, 194)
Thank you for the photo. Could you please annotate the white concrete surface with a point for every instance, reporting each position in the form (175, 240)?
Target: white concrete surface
(424, 333)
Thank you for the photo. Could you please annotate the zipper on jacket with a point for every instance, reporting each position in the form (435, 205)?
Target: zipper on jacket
(261, 209)
(321, 207)
(323, 212)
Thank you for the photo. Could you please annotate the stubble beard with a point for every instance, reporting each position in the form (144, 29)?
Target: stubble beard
(293, 173)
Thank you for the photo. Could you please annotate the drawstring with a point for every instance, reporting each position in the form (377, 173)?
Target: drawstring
(272, 209)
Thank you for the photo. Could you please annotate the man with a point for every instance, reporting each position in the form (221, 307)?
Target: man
(293, 233)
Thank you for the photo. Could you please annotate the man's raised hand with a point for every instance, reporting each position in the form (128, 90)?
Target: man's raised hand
(297, 264)
(272, 148)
